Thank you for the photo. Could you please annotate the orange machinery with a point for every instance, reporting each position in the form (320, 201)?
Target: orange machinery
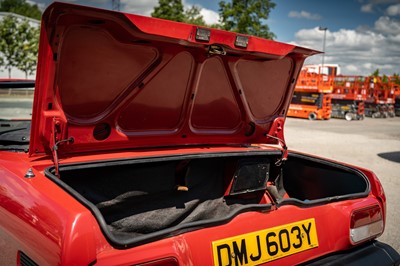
(380, 97)
(348, 97)
(395, 86)
(320, 96)
(311, 98)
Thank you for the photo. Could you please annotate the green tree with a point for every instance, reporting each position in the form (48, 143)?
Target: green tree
(215, 26)
(247, 17)
(385, 79)
(18, 45)
(21, 7)
(2, 62)
(169, 9)
(28, 48)
(193, 16)
(9, 42)
(396, 78)
(375, 73)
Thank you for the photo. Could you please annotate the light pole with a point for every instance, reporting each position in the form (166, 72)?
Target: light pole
(323, 48)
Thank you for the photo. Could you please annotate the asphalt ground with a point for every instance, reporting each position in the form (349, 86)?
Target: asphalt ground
(372, 143)
(15, 108)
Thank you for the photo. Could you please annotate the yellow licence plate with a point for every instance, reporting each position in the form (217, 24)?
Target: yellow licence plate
(266, 245)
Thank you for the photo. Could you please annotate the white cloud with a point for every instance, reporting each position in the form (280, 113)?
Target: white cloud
(146, 7)
(393, 10)
(387, 25)
(395, 38)
(351, 68)
(41, 6)
(96, 1)
(377, 6)
(141, 7)
(209, 16)
(368, 66)
(368, 8)
(304, 14)
(358, 52)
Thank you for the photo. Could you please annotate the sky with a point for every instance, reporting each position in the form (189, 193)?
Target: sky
(361, 35)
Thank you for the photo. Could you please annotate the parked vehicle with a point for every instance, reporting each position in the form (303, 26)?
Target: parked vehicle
(380, 97)
(377, 110)
(348, 97)
(347, 109)
(311, 105)
(160, 143)
(397, 106)
(311, 98)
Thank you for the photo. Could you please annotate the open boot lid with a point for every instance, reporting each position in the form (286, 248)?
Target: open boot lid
(108, 81)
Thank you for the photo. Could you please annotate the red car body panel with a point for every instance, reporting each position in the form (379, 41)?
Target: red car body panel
(90, 109)
(69, 235)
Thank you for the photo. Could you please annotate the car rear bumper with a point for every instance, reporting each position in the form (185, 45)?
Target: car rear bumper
(375, 253)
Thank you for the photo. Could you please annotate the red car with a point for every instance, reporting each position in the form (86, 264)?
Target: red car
(160, 143)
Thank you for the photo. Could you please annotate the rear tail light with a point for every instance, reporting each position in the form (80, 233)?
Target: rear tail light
(366, 224)
(170, 261)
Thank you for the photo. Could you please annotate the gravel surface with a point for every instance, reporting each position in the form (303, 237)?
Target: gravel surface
(370, 143)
